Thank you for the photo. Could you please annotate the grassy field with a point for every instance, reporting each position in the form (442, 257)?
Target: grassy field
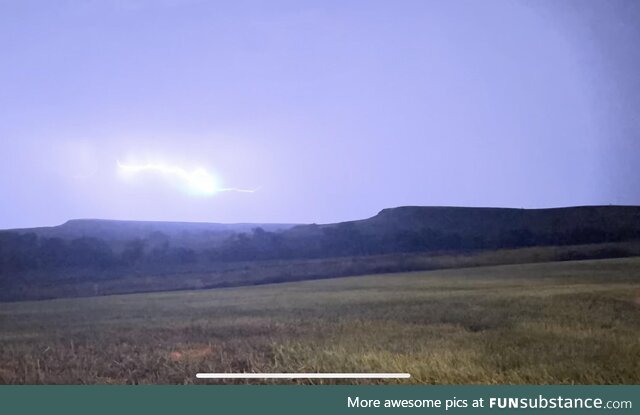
(563, 322)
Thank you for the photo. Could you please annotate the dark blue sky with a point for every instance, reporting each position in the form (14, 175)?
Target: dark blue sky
(329, 110)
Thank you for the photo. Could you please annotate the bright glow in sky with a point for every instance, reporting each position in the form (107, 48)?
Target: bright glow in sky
(334, 109)
(197, 181)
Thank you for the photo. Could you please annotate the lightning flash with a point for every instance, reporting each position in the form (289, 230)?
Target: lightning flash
(197, 181)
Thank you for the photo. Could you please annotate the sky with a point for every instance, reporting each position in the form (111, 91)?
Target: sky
(313, 111)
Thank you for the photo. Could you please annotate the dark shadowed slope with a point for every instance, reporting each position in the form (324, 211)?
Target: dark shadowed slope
(471, 227)
(608, 220)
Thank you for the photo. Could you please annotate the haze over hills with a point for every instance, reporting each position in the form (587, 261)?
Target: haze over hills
(183, 233)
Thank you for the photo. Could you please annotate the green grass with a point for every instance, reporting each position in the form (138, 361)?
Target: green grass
(565, 322)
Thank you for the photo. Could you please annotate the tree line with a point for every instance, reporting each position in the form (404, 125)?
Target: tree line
(23, 252)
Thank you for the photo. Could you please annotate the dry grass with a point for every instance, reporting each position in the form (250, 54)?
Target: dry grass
(569, 322)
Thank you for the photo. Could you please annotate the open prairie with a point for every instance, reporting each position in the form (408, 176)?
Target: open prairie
(562, 322)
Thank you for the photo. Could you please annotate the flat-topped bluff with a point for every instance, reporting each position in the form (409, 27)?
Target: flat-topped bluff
(490, 220)
(598, 223)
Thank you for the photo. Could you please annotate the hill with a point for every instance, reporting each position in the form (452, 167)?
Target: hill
(96, 257)
(494, 221)
(416, 228)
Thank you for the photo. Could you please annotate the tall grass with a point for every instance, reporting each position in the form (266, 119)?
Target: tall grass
(563, 322)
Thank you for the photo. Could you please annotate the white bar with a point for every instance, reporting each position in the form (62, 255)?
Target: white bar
(303, 375)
